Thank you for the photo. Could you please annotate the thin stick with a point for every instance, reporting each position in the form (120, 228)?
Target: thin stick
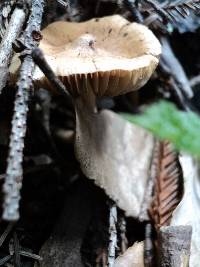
(176, 70)
(39, 59)
(14, 172)
(113, 235)
(6, 233)
(148, 247)
(16, 256)
(132, 6)
(15, 26)
(122, 228)
(195, 81)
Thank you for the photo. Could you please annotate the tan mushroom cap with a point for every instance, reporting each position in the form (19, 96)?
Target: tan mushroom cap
(109, 55)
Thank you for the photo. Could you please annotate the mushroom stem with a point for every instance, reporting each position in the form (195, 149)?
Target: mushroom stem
(86, 104)
(86, 111)
(89, 127)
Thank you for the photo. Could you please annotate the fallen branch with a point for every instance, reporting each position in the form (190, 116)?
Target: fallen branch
(15, 26)
(14, 172)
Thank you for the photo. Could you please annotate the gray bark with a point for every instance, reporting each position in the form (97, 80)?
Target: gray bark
(174, 245)
(6, 51)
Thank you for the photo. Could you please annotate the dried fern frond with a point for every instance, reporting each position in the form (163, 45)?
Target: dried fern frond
(172, 10)
(181, 7)
(167, 185)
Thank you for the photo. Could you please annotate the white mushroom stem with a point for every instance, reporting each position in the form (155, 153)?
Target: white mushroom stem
(114, 153)
(85, 105)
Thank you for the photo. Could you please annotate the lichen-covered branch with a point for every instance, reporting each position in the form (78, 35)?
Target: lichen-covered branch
(14, 28)
(14, 172)
(5, 12)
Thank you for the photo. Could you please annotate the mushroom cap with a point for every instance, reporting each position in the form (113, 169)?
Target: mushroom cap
(108, 55)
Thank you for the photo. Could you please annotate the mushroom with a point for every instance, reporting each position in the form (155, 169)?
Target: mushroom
(101, 57)
(106, 56)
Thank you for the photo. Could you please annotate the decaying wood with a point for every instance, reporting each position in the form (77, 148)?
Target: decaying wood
(14, 28)
(14, 172)
(188, 210)
(168, 185)
(115, 154)
(174, 246)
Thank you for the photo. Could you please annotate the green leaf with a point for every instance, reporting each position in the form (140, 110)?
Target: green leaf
(165, 121)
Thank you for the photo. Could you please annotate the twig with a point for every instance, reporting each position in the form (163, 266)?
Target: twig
(5, 259)
(6, 50)
(122, 229)
(132, 7)
(148, 247)
(6, 233)
(195, 81)
(14, 172)
(64, 3)
(30, 255)
(16, 246)
(174, 245)
(176, 92)
(172, 86)
(113, 235)
(22, 253)
(176, 70)
(6, 7)
(156, 6)
(39, 59)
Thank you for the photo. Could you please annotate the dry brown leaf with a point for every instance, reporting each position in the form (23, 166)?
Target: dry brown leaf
(168, 185)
